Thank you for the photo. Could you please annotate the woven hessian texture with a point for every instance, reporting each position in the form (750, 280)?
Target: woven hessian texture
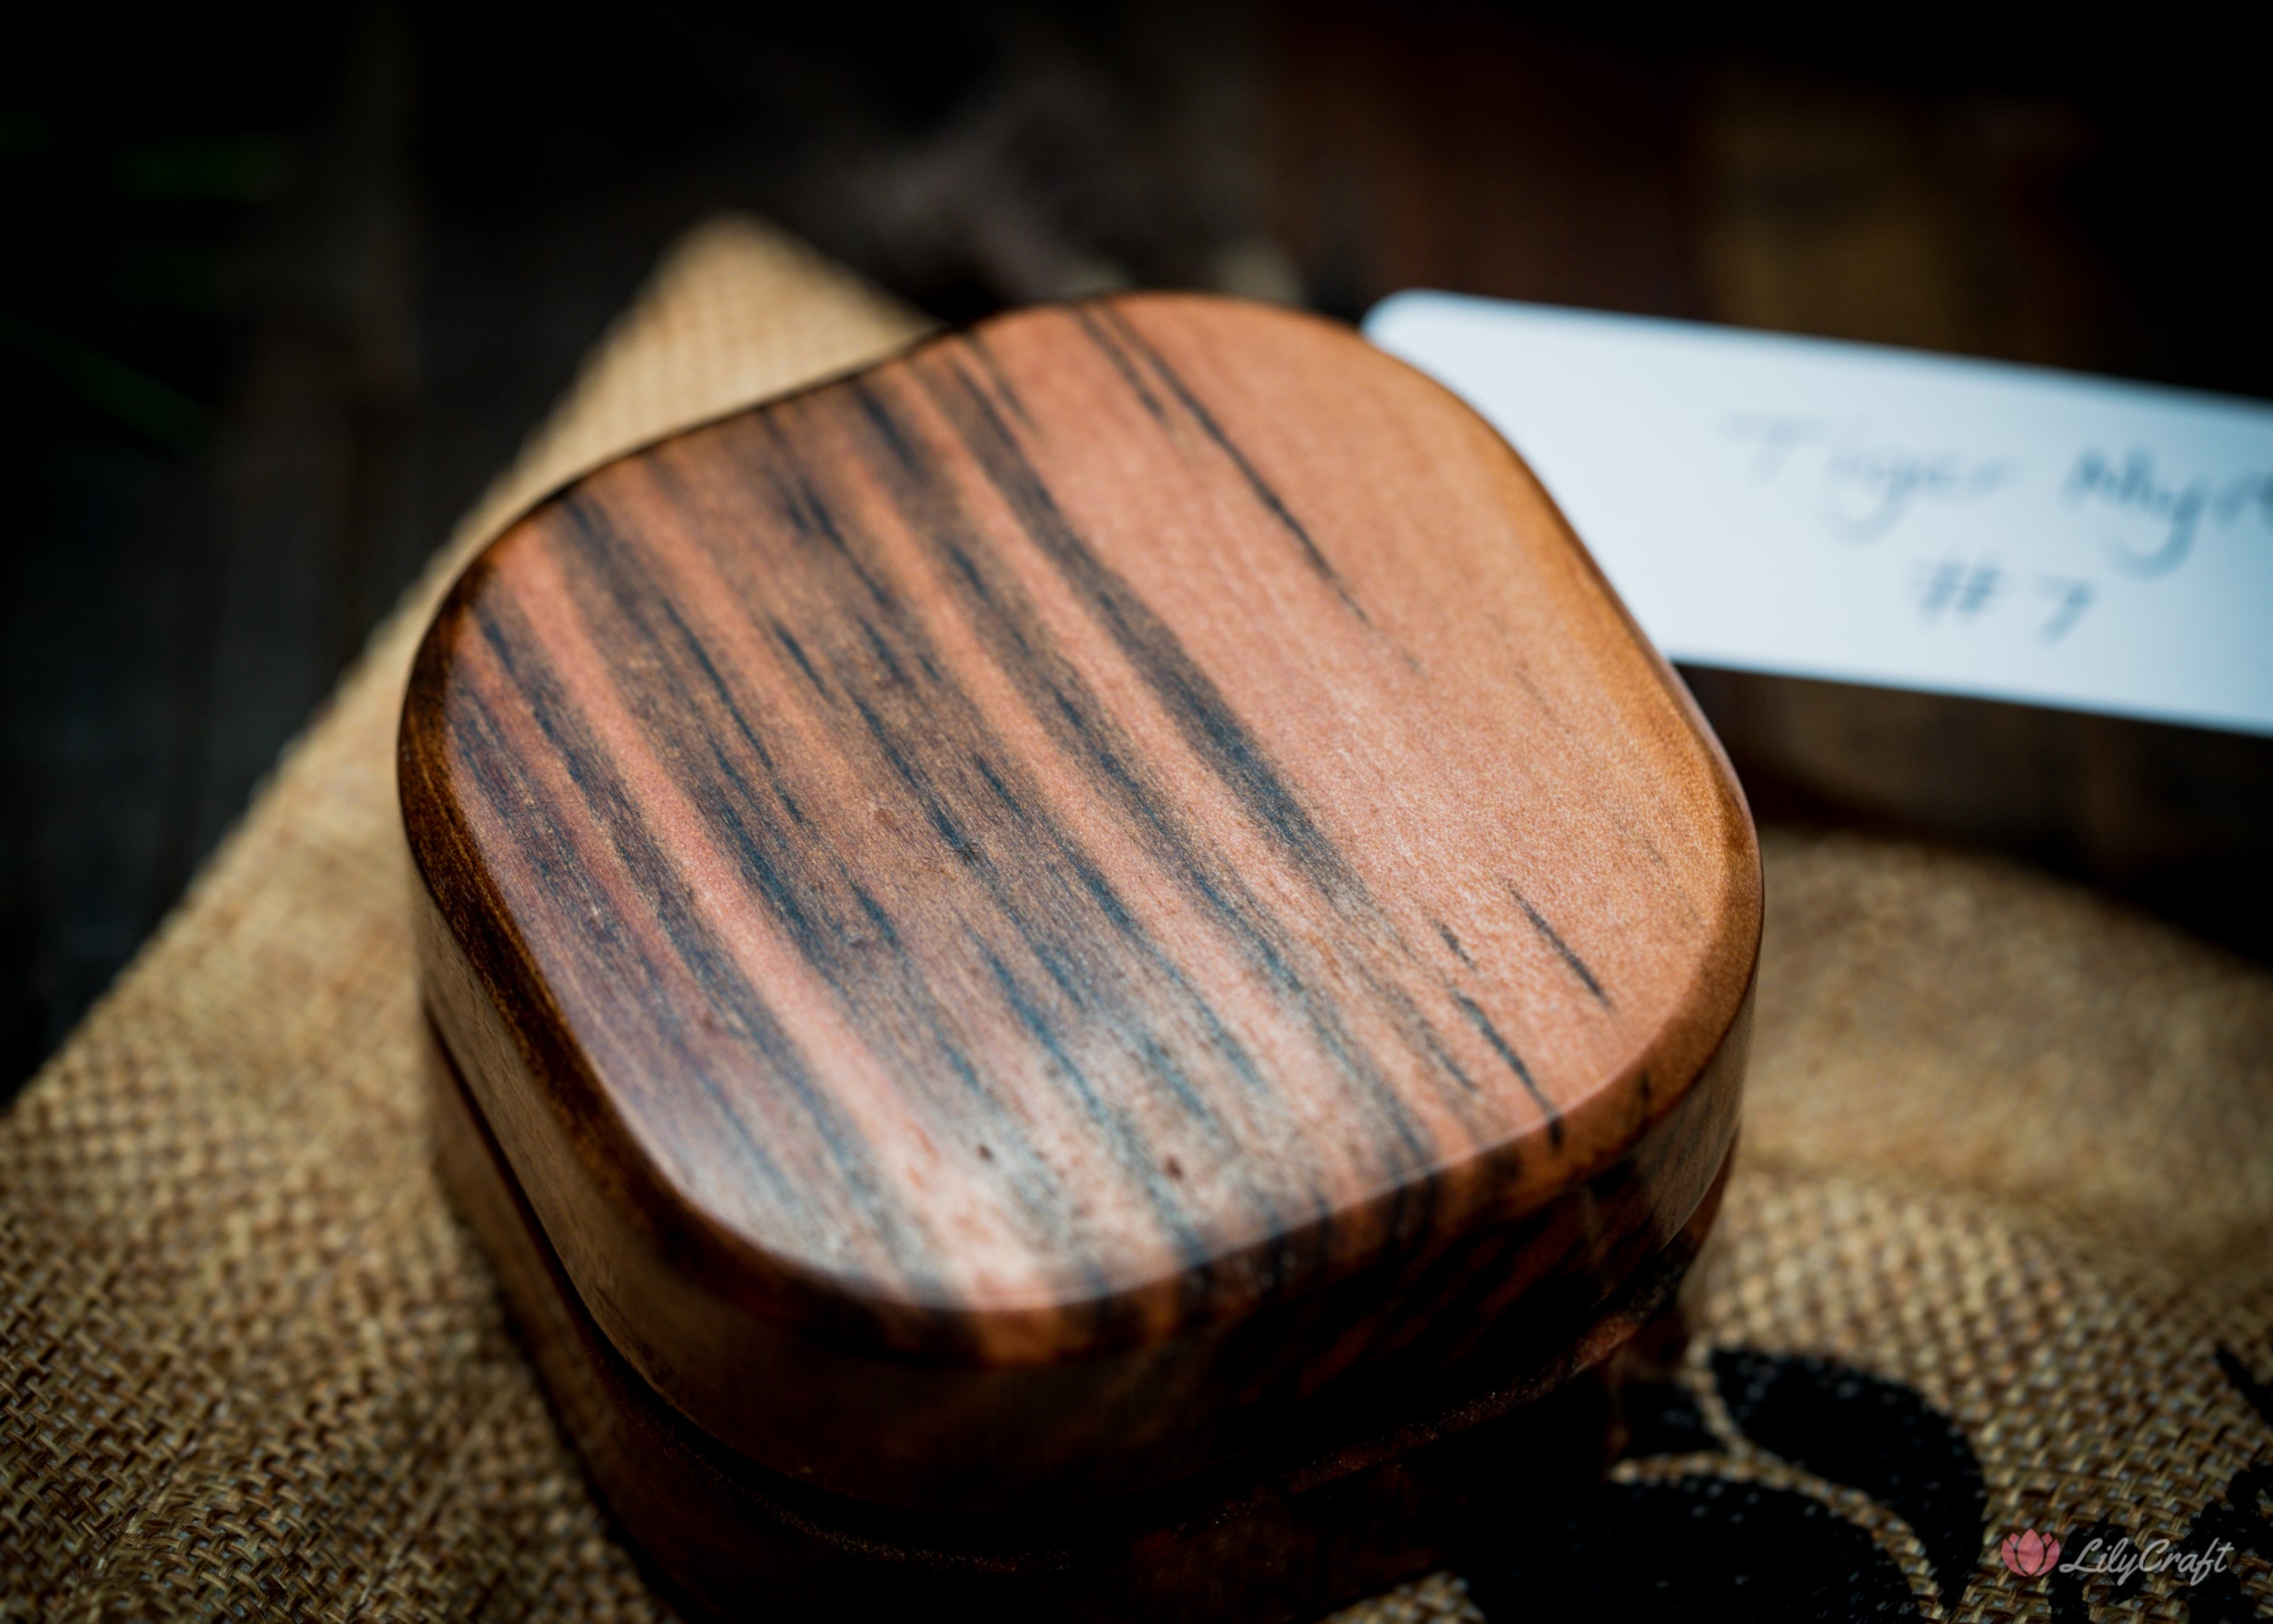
(2008, 1153)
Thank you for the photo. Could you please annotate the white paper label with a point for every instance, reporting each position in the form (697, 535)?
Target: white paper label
(1866, 515)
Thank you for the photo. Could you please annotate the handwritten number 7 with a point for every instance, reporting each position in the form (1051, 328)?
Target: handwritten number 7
(2071, 598)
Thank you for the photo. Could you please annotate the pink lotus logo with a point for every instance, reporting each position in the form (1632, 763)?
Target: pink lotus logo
(2029, 1554)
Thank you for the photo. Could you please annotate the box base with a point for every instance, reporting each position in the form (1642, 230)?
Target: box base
(1284, 1534)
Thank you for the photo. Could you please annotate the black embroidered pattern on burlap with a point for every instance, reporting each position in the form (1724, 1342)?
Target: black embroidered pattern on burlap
(1701, 1541)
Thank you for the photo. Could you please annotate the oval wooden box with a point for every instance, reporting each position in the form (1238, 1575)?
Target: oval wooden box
(1112, 897)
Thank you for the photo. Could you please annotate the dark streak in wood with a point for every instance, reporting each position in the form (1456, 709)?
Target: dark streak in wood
(1513, 1062)
(975, 342)
(1562, 948)
(1272, 502)
(1200, 710)
(1109, 346)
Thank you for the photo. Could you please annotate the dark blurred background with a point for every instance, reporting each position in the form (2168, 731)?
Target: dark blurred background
(286, 286)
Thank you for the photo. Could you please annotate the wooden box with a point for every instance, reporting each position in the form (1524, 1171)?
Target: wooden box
(1077, 969)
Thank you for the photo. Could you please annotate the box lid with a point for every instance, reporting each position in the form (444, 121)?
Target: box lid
(1020, 912)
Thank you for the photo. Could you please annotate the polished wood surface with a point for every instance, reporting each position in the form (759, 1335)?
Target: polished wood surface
(1282, 1537)
(1085, 865)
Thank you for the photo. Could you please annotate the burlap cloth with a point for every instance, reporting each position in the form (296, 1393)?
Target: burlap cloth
(2008, 1153)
